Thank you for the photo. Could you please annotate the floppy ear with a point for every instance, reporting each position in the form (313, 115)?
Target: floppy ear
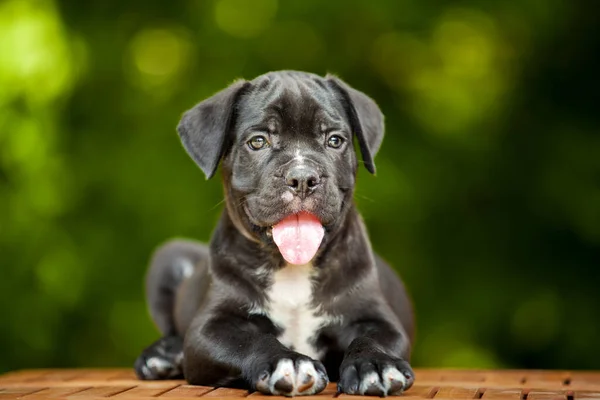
(366, 120)
(205, 128)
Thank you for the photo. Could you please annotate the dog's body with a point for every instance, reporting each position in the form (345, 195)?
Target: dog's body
(236, 313)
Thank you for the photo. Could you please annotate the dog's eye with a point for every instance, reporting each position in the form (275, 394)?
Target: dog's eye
(335, 141)
(258, 142)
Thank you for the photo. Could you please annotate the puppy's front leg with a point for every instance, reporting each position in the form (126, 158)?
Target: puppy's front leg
(225, 349)
(373, 363)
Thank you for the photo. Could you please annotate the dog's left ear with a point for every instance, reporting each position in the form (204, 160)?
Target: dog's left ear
(366, 119)
(204, 129)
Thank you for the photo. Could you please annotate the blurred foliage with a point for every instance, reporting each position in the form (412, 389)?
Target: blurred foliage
(487, 197)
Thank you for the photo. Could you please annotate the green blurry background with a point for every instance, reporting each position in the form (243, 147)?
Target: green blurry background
(487, 197)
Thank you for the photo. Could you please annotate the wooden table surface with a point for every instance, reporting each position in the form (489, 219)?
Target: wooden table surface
(86, 384)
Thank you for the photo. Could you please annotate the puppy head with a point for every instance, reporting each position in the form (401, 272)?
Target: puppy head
(286, 141)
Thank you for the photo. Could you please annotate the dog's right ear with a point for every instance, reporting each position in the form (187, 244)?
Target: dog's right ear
(205, 128)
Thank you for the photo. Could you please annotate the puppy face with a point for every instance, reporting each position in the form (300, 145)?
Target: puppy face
(291, 152)
(286, 140)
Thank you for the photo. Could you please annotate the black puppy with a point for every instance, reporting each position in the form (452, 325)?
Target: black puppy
(288, 294)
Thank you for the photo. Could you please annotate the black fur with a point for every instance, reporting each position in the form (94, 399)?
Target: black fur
(202, 129)
(225, 342)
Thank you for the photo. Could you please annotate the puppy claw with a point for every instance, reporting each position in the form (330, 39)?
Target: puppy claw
(306, 384)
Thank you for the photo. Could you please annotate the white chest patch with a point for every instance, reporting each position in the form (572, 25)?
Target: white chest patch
(289, 308)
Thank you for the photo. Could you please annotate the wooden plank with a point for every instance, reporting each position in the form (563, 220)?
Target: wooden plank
(226, 392)
(547, 395)
(513, 379)
(428, 374)
(587, 395)
(22, 376)
(497, 394)
(99, 375)
(462, 376)
(124, 375)
(530, 379)
(546, 379)
(446, 375)
(98, 384)
(589, 381)
(187, 391)
(415, 392)
(145, 390)
(53, 393)
(329, 392)
(449, 392)
(422, 392)
(14, 393)
(101, 391)
(59, 376)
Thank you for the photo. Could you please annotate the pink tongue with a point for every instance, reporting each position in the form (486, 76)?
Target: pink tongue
(298, 237)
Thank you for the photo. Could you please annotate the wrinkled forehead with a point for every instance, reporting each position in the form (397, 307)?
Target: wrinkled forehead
(295, 102)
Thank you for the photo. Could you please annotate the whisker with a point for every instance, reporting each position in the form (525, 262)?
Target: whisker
(363, 197)
(242, 201)
(217, 205)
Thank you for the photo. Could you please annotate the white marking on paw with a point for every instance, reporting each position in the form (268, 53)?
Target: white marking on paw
(307, 378)
(391, 375)
(158, 364)
(304, 381)
(307, 367)
(284, 370)
(146, 372)
(371, 379)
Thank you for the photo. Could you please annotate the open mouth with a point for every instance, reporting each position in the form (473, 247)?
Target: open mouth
(298, 237)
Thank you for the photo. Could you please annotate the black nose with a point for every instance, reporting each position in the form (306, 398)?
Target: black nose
(302, 179)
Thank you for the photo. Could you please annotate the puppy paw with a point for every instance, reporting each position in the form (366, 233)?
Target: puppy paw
(161, 360)
(295, 375)
(376, 375)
